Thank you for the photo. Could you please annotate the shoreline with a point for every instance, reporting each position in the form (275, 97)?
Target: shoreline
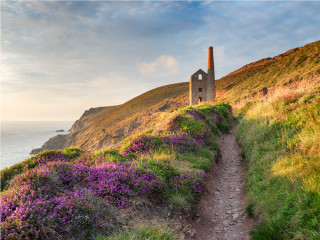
(20, 138)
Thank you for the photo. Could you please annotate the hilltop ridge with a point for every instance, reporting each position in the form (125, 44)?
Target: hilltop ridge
(264, 61)
(89, 116)
(297, 68)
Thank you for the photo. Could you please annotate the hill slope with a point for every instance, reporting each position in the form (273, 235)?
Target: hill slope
(296, 69)
(109, 126)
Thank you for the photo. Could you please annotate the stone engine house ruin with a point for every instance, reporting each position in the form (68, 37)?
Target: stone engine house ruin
(202, 85)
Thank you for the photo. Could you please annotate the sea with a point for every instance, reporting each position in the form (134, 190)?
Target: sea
(19, 138)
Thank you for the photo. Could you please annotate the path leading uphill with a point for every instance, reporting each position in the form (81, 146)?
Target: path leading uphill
(222, 211)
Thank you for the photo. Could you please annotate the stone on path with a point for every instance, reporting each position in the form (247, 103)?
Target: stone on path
(235, 204)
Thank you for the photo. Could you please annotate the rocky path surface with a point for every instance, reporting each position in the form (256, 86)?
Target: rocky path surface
(222, 213)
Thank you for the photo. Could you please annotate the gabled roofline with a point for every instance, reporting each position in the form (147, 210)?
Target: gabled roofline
(200, 71)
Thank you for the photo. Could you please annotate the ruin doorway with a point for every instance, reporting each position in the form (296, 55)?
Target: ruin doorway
(199, 100)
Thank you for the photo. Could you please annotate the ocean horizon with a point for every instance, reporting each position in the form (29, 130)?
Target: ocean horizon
(18, 138)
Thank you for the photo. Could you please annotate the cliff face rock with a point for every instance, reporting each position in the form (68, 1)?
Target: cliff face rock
(89, 116)
(56, 142)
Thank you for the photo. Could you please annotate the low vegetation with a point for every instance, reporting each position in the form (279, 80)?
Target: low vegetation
(142, 233)
(55, 193)
(280, 141)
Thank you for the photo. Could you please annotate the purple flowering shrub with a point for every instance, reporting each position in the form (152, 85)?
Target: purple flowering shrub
(75, 194)
(37, 206)
(218, 116)
(178, 142)
(113, 182)
(192, 182)
(54, 197)
(62, 214)
(74, 155)
(57, 198)
(44, 157)
(217, 119)
(186, 132)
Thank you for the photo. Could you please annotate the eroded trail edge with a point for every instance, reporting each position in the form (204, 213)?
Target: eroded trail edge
(221, 211)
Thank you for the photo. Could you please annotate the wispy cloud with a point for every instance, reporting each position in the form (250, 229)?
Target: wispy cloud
(163, 62)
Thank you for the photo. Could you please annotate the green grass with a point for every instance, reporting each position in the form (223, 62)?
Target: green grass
(72, 152)
(280, 142)
(181, 200)
(201, 160)
(143, 232)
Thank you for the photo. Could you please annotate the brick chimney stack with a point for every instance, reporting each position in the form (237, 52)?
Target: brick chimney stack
(210, 58)
(211, 88)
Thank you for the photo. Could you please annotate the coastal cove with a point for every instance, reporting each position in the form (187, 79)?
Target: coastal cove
(18, 138)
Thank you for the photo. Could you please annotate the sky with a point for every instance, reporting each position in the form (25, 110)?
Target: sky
(59, 58)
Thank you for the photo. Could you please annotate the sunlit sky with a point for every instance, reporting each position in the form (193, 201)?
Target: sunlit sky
(60, 58)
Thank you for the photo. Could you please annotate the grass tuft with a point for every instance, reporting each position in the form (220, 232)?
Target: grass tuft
(142, 232)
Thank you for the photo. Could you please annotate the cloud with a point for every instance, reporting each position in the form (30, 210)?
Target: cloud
(219, 52)
(163, 62)
(91, 53)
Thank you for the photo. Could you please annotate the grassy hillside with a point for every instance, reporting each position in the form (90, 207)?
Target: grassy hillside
(281, 148)
(125, 120)
(297, 70)
(152, 178)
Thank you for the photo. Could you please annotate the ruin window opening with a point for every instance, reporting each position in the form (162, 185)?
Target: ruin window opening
(200, 100)
(200, 89)
(200, 76)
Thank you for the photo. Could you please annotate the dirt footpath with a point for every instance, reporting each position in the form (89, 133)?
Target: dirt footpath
(222, 213)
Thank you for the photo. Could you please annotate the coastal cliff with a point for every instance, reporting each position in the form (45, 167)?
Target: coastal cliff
(108, 126)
